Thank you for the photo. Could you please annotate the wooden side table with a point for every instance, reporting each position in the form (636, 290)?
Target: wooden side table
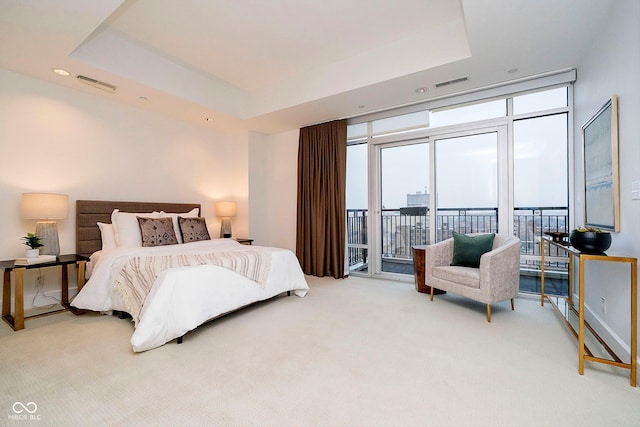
(418, 267)
(16, 320)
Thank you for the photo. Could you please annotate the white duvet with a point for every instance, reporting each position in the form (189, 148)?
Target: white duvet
(183, 298)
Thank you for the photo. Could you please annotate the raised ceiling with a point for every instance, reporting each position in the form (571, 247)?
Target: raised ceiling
(277, 65)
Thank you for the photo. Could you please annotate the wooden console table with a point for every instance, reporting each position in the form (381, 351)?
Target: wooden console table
(16, 321)
(583, 351)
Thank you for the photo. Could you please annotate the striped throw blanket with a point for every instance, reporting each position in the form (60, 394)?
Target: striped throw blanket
(134, 281)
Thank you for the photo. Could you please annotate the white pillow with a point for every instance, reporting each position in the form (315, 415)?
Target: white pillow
(127, 227)
(193, 213)
(108, 236)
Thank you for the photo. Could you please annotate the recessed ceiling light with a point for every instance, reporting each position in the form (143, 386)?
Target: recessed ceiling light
(422, 90)
(513, 70)
(61, 72)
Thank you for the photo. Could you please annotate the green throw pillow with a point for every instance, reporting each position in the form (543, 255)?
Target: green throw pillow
(467, 250)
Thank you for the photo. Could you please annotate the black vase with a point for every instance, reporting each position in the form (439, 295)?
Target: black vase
(590, 242)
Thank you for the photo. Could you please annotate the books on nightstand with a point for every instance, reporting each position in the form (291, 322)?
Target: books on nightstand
(37, 260)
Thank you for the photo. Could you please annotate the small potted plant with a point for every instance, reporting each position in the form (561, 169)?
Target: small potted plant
(34, 243)
(590, 240)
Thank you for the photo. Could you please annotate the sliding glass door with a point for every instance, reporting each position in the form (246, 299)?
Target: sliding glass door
(403, 214)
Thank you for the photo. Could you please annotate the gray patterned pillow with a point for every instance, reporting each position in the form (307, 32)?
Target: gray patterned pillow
(193, 229)
(157, 231)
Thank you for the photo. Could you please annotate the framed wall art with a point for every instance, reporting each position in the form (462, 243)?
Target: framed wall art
(602, 188)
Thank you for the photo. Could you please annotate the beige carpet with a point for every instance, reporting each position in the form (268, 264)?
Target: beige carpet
(357, 352)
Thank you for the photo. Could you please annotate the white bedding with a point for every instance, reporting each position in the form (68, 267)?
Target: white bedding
(182, 298)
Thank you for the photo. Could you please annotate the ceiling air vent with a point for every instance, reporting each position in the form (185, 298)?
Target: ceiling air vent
(450, 82)
(97, 83)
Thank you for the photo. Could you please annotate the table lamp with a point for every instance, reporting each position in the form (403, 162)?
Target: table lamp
(46, 208)
(226, 210)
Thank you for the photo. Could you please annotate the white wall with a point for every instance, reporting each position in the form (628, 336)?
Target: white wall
(284, 189)
(612, 66)
(273, 165)
(54, 139)
(259, 176)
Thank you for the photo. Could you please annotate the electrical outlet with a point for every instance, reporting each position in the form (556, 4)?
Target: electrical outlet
(635, 190)
(38, 280)
(603, 305)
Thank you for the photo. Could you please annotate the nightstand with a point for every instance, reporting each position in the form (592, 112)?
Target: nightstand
(243, 241)
(16, 321)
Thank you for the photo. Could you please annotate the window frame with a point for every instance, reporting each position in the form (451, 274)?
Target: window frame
(406, 136)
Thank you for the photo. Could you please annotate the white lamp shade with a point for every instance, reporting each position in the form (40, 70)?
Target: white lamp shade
(44, 206)
(226, 209)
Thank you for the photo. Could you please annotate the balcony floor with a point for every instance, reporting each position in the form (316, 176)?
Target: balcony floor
(528, 283)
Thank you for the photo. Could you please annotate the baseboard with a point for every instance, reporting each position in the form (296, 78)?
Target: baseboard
(54, 293)
(613, 340)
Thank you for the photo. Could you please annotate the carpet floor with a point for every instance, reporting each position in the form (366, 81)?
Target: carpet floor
(354, 352)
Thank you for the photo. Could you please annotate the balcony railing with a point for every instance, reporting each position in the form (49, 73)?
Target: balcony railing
(405, 227)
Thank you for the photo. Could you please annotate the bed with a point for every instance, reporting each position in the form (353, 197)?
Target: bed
(167, 287)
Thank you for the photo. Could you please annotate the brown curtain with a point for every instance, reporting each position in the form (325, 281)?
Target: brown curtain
(322, 165)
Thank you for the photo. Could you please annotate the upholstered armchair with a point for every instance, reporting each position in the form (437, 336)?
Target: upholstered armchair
(496, 279)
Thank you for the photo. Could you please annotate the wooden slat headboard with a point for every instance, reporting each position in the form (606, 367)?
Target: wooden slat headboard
(90, 212)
